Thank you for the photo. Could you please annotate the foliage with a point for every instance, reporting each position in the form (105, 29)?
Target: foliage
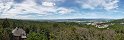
(60, 30)
(36, 36)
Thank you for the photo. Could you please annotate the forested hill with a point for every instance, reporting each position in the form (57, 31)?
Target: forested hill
(75, 20)
(59, 30)
(118, 21)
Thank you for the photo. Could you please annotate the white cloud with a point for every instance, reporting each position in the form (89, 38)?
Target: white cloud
(5, 6)
(105, 4)
(111, 5)
(64, 10)
(60, 0)
(96, 15)
(48, 4)
(29, 6)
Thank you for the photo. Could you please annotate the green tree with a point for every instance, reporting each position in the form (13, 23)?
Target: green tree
(37, 36)
(5, 23)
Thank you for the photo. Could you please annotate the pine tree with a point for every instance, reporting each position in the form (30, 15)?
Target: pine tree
(5, 23)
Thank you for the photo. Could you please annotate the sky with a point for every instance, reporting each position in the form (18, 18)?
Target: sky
(61, 9)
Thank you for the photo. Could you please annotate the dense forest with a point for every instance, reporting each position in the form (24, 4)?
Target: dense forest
(60, 30)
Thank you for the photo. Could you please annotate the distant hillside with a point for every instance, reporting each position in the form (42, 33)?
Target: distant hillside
(77, 20)
(65, 20)
(118, 21)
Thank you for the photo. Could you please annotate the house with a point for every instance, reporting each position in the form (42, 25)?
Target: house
(19, 34)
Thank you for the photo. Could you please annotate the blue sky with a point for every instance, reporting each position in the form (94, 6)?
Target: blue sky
(61, 9)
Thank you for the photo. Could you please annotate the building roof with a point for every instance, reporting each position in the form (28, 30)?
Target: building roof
(19, 32)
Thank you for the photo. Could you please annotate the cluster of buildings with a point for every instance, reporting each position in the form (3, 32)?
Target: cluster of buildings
(99, 24)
